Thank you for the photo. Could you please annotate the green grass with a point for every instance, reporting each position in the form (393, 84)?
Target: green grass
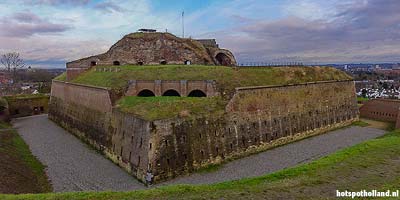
(362, 99)
(34, 164)
(370, 165)
(61, 77)
(153, 108)
(28, 173)
(360, 123)
(227, 77)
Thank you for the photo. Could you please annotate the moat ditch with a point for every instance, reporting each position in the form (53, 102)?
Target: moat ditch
(73, 166)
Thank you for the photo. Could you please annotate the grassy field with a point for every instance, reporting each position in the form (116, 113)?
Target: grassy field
(20, 171)
(369, 165)
(227, 77)
(153, 108)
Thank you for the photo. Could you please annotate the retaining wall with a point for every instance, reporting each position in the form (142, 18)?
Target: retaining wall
(256, 119)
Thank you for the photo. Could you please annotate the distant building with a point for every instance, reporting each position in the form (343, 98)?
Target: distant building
(5, 78)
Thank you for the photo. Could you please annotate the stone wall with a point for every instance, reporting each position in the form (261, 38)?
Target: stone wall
(84, 111)
(398, 120)
(22, 106)
(88, 113)
(381, 109)
(183, 87)
(154, 49)
(257, 118)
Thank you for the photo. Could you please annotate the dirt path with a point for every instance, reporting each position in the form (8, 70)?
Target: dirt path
(72, 166)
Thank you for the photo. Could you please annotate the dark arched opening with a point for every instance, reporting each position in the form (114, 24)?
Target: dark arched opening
(116, 63)
(163, 62)
(187, 62)
(146, 93)
(93, 63)
(197, 93)
(223, 59)
(140, 63)
(171, 93)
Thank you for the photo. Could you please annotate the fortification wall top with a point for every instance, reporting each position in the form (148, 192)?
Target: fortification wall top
(97, 98)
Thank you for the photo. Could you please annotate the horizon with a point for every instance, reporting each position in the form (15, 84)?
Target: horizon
(49, 33)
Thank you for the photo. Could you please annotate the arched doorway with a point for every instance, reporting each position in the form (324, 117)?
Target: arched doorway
(223, 59)
(197, 93)
(163, 62)
(116, 63)
(187, 62)
(93, 63)
(171, 93)
(140, 63)
(146, 93)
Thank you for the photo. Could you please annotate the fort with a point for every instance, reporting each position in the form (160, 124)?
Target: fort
(170, 106)
(382, 110)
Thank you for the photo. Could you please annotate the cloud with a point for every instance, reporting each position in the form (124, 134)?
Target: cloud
(361, 31)
(109, 7)
(25, 24)
(59, 2)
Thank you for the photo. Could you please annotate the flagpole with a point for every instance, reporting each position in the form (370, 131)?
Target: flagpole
(183, 24)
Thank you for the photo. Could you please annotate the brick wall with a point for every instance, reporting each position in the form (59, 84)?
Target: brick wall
(257, 118)
(183, 87)
(381, 109)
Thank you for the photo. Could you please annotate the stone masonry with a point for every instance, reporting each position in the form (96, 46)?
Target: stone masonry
(255, 119)
(155, 49)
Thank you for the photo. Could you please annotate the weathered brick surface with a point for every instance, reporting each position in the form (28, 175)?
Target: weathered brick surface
(256, 119)
(381, 109)
(22, 107)
(153, 49)
(183, 87)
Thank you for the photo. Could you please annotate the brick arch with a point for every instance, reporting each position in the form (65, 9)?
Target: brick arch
(146, 93)
(171, 92)
(197, 93)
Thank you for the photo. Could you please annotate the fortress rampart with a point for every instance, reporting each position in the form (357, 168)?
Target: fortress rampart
(255, 119)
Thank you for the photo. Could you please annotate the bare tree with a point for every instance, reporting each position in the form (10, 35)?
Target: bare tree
(12, 63)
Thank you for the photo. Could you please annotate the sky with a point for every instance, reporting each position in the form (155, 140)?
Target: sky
(49, 33)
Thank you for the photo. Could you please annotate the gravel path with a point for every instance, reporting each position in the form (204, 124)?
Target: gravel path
(72, 166)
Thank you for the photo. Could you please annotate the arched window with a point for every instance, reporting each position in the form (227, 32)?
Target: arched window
(171, 93)
(163, 62)
(116, 63)
(140, 63)
(146, 93)
(197, 93)
(93, 63)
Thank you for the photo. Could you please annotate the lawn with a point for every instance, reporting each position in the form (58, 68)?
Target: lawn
(20, 171)
(153, 108)
(373, 164)
(227, 78)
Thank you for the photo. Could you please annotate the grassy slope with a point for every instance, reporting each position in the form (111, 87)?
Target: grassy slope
(227, 78)
(153, 108)
(369, 165)
(20, 172)
(61, 77)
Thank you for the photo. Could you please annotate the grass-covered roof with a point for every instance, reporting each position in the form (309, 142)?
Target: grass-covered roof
(227, 79)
